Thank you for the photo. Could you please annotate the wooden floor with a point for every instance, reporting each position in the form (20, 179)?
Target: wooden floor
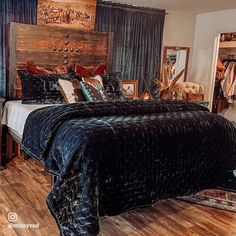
(24, 187)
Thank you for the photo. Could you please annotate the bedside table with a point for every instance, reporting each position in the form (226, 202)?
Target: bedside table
(1, 104)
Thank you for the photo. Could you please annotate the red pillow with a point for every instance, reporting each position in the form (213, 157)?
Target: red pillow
(80, 70)
(33, 69)
(61, 69)
(100, 70)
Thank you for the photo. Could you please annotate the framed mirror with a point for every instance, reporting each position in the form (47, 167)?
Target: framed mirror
(175, 59)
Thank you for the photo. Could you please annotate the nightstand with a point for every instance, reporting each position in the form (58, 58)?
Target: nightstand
(1, 105)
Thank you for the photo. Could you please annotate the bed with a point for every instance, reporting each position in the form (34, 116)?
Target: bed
(115, 156)
(16, 123)
(111, 157)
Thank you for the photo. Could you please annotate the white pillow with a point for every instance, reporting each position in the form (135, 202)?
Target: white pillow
(67, 90)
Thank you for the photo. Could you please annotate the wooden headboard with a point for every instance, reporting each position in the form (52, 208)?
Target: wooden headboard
(49, 47)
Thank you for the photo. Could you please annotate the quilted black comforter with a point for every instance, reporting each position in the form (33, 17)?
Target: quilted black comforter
(114, 156)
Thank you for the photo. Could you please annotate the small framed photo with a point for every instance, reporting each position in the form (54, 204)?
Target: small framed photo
(129, 88)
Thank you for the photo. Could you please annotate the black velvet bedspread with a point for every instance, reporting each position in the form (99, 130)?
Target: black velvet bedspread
(114, 156)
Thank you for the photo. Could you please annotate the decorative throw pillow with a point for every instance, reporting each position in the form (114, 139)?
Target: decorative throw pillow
(78, 90)
(61, 69)
(82, 71)
(71, 91)
(96, 81)
(31, 67)
(67, 90)
(91, 93)
(100, 69)
(111, 84)
(42, 89)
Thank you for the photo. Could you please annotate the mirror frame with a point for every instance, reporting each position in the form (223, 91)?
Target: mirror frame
(187, 49)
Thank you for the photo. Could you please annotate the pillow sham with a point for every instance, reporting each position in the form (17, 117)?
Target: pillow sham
(31, 67)
(100, 69)
(111, 84)
(61, 69)
(92, 93)
(81, 70)
(71, 91)
(42, 89)
(85, 71)
(96, 81)
(67, 90)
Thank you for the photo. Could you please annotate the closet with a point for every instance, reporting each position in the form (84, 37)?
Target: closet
(224, 100)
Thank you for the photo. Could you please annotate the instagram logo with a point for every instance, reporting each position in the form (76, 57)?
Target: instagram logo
(12, 217)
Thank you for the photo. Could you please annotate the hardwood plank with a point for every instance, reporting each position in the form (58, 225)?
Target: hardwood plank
(58, 58)
(24, 187)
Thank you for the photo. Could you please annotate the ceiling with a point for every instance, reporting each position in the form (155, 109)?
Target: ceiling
(198, 6)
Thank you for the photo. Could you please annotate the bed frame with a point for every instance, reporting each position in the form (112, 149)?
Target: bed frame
(48, 47)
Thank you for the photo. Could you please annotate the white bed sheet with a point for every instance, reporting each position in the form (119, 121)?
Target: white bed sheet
(15, 114)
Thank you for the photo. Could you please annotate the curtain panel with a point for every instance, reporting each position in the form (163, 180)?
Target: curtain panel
(22, 11)
(137, 44)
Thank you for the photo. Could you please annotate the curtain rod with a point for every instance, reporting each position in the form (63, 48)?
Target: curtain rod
(131, 7)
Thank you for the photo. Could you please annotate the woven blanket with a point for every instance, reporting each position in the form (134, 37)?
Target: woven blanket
(111, 157)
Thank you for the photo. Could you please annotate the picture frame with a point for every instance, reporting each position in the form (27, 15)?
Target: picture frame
(129, 88)
(74, 14)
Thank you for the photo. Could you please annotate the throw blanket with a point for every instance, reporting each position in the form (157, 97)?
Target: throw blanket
(111, 157)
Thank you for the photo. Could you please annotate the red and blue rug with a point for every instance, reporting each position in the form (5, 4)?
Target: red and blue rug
(214, 198)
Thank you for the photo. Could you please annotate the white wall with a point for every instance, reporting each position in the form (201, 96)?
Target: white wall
(179, 29)
(208, 27)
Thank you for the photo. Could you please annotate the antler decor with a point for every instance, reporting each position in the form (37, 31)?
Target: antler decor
(166, 86)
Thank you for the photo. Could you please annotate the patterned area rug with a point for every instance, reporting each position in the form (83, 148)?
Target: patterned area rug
(214, 198)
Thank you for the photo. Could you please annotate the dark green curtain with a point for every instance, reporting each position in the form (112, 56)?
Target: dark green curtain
(22, 11)
(137, 40)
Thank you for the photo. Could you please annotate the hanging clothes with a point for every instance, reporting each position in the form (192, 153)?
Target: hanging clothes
(228, 84)
(222, 85)
(219, 101)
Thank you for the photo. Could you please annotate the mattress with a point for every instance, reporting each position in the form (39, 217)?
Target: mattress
(15, 114)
